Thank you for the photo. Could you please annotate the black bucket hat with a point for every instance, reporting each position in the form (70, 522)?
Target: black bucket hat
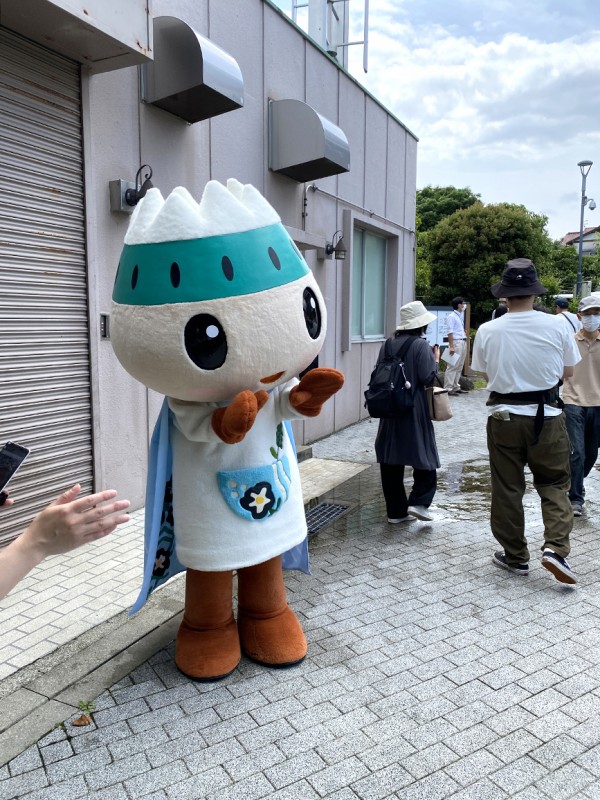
(519, 279)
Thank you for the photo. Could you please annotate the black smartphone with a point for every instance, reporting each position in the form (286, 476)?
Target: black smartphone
(12, 456)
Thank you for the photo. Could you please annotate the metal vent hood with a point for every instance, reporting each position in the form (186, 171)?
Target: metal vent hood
(305, 145)
(101, 34)
(190, 76)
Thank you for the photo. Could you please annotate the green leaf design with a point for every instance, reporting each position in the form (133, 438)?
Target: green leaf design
(273, 452)
(276, 507)
(279, 436)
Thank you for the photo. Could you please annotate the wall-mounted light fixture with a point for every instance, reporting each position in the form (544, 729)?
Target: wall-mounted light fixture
(133, 196)
(336, 248)
(125, 195)
(333, 248)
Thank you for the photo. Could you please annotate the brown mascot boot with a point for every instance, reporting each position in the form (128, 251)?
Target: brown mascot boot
(270, 633)
(207, 646)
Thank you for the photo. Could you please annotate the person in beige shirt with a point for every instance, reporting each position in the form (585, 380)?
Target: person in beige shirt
(581, 396)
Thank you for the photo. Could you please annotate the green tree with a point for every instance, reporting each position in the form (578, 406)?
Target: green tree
(563, 264)
(468, 250)
(434, 203)
(422, 269)
(590, 269)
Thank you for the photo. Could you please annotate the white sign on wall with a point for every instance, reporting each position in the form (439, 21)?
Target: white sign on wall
(437, 331)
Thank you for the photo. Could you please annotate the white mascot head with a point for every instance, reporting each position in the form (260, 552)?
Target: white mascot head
(213, 298)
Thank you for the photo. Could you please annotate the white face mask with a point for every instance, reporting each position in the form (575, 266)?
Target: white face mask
(591, 322)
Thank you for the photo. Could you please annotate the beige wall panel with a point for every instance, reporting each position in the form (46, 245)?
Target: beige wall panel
(411, 182)
(111, 144)
(286, 196)
(396, 172)
(407, 269)
(284, 58)
(238, 138)
(351, 185)
(375, 158)
(349, 401)
(284, 77)
(194, 14)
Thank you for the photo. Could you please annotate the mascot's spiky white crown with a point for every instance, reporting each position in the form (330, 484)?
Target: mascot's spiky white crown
(234, 208)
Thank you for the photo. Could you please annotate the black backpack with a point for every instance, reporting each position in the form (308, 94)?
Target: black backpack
(389, 394)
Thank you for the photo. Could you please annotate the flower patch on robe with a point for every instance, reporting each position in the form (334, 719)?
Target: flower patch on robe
(258, 492)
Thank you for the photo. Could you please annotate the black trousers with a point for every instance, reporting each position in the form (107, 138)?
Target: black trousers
(392, 483)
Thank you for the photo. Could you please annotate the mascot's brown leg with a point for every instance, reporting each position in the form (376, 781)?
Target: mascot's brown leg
(269, 630)
(207, 646)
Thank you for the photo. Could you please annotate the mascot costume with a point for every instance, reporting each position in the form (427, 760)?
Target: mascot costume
(214, 307)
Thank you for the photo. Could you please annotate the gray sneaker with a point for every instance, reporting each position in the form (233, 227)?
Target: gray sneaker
(499, 560)
(577, 509)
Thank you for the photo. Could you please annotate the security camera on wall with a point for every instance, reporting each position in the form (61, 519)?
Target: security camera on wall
(592, 205)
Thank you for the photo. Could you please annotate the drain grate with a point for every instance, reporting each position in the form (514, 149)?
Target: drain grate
(322, 515)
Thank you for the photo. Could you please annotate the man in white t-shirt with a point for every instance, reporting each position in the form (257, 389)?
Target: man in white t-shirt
(457, 346)
(524, 355)
(572, 321)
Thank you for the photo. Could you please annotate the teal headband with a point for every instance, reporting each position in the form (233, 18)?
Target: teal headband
(206, 269)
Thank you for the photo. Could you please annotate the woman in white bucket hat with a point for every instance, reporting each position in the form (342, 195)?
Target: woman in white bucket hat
(409, 439)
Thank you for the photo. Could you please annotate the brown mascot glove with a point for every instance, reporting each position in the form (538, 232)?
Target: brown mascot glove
(231, 424)
(314, 389)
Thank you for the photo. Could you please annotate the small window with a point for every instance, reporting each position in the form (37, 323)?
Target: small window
(368, 285)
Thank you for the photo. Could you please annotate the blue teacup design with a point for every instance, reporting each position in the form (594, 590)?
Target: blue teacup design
(256, 493)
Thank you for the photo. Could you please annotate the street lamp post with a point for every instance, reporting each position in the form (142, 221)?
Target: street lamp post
(585, 167)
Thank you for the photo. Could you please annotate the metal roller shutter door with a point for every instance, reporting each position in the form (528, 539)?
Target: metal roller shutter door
(45, 399)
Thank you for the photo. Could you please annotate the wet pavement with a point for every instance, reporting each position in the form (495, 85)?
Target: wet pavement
(430, 673)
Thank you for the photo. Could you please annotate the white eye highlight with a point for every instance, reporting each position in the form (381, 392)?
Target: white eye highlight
(212, 331)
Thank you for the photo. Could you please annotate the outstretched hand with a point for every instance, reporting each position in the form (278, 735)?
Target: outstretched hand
(69, 522)
(62, 526)
(232, 423)
(314, 389)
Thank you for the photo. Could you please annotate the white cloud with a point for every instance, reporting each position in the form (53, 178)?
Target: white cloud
(503, 94)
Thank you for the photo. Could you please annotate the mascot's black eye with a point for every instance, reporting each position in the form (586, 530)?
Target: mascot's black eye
(312, 313)
(227, 268)
(205, 341)
(274, 258)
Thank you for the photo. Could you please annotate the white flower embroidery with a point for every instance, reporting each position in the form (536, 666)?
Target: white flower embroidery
(259, 501)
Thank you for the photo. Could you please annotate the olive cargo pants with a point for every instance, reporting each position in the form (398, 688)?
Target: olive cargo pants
(510, 450)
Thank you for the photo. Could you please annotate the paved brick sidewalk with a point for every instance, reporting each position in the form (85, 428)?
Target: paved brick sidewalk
(430, 673)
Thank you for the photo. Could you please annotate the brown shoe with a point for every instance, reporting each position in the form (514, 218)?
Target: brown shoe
(207, 647)
(270, 632)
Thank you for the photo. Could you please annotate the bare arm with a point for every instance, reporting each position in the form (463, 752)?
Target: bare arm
(64, 525)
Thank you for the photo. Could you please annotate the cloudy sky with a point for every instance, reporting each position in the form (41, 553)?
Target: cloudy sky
(504, 95)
